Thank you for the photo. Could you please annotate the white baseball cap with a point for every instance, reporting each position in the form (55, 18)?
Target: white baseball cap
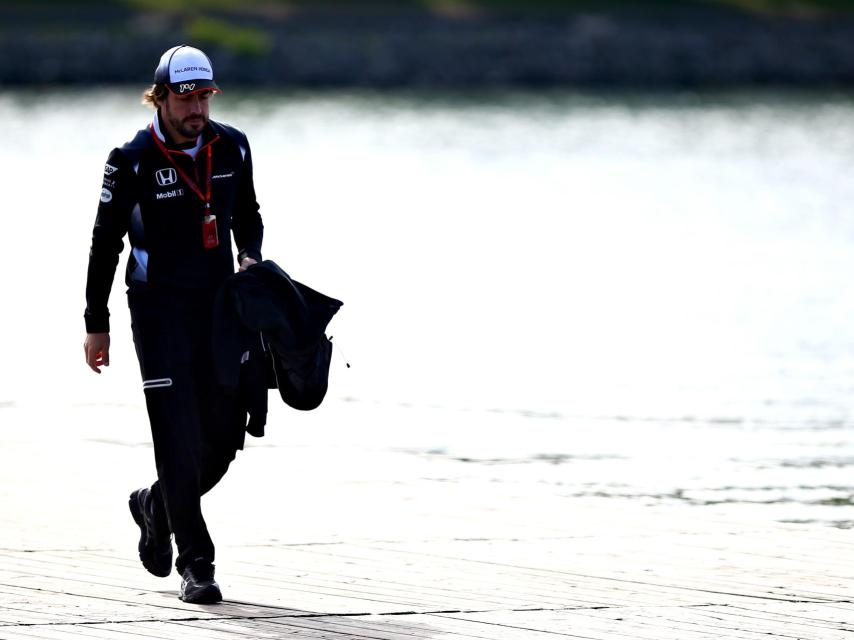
(185, 70)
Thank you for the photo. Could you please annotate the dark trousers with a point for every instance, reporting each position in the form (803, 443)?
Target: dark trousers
(195, 426)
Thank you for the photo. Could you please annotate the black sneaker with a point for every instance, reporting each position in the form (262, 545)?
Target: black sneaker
(155, 545)
(198, 585)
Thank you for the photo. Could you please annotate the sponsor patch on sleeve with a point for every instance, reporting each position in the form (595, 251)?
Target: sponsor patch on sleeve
(109, 169)
(106, 195)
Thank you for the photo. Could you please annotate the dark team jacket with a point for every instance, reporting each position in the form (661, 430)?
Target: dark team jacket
(269, 332)
(144, 197)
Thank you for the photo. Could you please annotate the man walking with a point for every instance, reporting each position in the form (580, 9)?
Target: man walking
(179, 190)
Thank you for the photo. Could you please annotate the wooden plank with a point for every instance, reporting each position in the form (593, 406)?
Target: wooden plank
(667, 622)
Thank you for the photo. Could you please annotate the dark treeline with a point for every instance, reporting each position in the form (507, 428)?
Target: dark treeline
(438, 43)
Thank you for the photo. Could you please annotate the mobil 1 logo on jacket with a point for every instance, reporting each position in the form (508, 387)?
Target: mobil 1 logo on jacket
(167, 178)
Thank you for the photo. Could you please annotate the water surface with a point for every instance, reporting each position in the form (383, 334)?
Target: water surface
(626, 296)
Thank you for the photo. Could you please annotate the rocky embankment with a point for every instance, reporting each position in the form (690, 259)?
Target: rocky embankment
(387, 48)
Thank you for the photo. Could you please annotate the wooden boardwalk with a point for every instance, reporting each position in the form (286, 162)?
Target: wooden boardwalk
(361, 542)
(643, 575)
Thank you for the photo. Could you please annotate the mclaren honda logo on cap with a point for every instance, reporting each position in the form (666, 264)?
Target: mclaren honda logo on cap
(185, 70)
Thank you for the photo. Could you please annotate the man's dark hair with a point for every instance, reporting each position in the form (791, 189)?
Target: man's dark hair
(154, 94)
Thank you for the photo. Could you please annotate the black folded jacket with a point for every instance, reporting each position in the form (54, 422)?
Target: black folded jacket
(269, 330)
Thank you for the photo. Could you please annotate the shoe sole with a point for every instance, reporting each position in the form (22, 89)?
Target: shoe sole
(136, 512)
(210, 595)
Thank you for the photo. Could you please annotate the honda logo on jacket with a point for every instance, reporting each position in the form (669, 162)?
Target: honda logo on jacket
(165, 177)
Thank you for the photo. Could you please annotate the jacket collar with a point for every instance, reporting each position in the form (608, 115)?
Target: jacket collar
(208, 134)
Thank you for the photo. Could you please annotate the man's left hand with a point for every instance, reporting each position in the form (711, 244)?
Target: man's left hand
(246, 263)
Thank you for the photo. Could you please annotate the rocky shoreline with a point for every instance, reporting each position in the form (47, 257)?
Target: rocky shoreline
(418, 48)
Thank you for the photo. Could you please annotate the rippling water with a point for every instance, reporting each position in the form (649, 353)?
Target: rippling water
(625, 296)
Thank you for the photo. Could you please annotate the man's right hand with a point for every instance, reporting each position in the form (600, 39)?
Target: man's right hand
(97, 350)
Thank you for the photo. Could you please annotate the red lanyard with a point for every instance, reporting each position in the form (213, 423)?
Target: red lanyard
(206, 196)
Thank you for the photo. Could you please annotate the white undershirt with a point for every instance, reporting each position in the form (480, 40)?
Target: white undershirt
(192, 152)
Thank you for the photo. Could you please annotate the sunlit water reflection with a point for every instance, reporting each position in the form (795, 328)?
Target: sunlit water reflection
(628, 296)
